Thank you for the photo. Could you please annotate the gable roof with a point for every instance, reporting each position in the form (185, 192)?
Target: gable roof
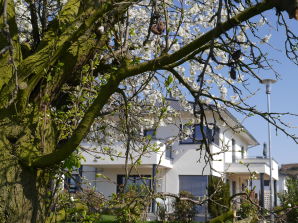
(290, 169)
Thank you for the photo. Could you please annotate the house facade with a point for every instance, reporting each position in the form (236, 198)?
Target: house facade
(184, 164)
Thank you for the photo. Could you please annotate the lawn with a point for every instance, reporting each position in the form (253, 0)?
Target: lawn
(111, 219)
(107, 219)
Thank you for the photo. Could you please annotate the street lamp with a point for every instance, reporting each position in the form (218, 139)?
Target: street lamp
(268, 83)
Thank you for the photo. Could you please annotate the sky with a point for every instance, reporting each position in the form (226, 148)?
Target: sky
(284, 98)
(284, 95)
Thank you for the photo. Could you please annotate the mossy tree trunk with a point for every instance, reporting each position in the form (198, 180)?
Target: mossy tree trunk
(30, 149)
(22, 196)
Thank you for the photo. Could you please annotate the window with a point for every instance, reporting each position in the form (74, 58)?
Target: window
(233, 187)
(169, 152)
(73, 183)
(242, 187)
(134, 181)
(196, 185)
(242, 152)
(150, 133)
(266, 183)
(215, 135)
(193, 134)
(233, 151)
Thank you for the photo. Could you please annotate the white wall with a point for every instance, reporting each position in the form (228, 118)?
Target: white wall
(227, 136)
(187, 160)
(149, 158)
(107, 185)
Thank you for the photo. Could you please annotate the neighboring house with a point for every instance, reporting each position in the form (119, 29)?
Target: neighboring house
(180, 167)
(286, 171)
(290, 169)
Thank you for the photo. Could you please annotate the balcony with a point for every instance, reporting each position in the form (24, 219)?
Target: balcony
(157, 155)
(249, 165)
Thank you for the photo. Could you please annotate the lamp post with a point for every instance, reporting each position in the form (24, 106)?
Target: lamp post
(268, 83)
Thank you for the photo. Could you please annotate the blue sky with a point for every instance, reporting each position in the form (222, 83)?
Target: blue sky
(284, 98)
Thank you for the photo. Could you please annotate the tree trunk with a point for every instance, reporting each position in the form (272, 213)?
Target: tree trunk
(22, 191)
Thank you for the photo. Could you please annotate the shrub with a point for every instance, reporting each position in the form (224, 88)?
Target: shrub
(289, 200)
(247, 209)
(161, 212)
(184, 211)
(220, 193)
(81, 207)
(92, 199)
(131, 206)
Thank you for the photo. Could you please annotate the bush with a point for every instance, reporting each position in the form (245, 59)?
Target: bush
(247, 209)
(81, 207)
(289, 200)
(220, 192)
(91, 198)
(224, 218)
(131, 206)
(161, 212)
(184, 211)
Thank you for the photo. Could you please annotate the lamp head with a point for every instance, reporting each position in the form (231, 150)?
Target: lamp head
(268, 83)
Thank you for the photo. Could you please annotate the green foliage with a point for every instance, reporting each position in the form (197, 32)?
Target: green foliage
(184, 210)
(92, 199)
(84, 207)
(224, 218)
(289, 200)
(220, 193)
(132, 205)
(73, 161)
(161, 212)
(107, 219)
(247, 209)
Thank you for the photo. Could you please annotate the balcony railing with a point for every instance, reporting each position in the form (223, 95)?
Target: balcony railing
(257, 159)
(253, 164)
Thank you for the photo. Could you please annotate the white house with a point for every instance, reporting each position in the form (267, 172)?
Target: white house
(181, 166)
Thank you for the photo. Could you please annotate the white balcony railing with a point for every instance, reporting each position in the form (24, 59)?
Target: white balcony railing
(253, 164)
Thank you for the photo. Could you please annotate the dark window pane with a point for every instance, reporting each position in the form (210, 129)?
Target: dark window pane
(169, 152)
(242, 152)
(216, 132)
(134, 181)
(187, 134)
(73, 183)
(150, 132)
(233, 187)
(233, 151)
(196, 185)
(198, 135)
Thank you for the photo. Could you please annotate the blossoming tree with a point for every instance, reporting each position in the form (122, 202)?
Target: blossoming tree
(66, 64)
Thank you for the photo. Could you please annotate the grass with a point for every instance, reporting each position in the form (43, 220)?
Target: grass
(107, 219)
(112, 219)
